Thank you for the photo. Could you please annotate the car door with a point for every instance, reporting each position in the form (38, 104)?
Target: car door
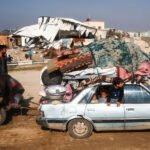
(77, 106)
(105, 117)
(137, 107)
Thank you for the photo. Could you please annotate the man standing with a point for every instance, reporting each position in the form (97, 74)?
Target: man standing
(2, 76)
(4, 69)
(116, 92)
(30, 53)
(0, 51)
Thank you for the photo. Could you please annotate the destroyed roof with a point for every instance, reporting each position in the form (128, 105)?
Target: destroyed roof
(55, 20)
(28, 31)
(49, 27)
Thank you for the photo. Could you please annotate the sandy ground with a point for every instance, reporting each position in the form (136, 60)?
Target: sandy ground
(22, 132)
(31, 82)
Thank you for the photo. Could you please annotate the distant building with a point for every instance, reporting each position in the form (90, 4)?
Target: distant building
(139, 34)
(99, 25)
(145, 34)
(134, 34)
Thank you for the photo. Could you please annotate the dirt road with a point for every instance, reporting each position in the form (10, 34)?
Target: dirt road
(22, 133)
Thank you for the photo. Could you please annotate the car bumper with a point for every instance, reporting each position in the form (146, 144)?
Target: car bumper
(51, 124)
(42, 122)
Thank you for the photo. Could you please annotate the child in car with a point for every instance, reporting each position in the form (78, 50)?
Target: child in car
(101, 98)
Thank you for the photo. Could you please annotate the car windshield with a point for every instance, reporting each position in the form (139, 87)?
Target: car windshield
(83, 96)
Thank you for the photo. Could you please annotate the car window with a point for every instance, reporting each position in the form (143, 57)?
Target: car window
(84, 99)
(146, 96)
(99, 95)
(87, 97)
(148, 87)
(135, 94)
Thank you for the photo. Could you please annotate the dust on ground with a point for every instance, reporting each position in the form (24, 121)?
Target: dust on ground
(22, 132)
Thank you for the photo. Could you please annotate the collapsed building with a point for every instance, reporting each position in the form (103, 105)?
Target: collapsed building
(52, 29)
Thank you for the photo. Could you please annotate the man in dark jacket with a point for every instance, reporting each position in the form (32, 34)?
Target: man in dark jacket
(116, 92)
(2, 81)
(3, 61)
(4, 92)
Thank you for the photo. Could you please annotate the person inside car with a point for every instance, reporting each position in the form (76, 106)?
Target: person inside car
(116, 92)
(102, 98)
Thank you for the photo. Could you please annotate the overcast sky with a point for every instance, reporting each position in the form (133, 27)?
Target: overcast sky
(129, 15)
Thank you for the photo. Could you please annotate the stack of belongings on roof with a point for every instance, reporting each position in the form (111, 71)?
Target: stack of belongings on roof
(112, 58)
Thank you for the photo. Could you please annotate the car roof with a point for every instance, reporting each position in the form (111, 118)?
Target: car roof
(126, 83)
(109, 83)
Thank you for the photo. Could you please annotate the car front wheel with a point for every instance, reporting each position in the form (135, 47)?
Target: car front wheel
(80, 128)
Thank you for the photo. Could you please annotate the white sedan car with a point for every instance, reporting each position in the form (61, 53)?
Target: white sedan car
(81, 116)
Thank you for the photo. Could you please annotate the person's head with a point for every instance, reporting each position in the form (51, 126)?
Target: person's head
(1, 53)
(103, 93)
(118, 82)
(9, 56)
(4, 49)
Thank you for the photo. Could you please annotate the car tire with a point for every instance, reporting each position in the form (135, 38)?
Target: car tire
(52, 78)
(80, 128)
(2, 116)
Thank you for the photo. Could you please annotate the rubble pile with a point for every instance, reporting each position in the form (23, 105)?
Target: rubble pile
(144, 44)
(19, 55)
